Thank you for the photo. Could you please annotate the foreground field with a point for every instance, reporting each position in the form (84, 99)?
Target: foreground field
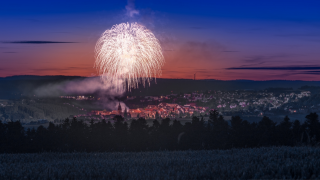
(259, 163)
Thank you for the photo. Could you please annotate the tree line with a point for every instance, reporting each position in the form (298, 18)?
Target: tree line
(216, 133)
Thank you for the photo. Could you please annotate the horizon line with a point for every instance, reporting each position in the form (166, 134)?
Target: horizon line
(165, 78)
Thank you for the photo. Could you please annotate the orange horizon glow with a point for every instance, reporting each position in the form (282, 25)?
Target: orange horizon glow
(182, 63)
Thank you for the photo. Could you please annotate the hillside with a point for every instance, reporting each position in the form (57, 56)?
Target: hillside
(16, 87)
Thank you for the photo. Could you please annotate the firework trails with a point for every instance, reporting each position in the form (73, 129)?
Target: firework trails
(128, 54)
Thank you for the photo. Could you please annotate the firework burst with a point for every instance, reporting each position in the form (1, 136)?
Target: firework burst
(128, 54)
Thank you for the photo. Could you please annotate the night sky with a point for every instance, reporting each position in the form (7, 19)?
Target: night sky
(225, 40)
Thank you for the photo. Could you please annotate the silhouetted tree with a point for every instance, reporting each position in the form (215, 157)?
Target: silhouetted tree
(219, 130)
(176, 129)
(237, 132)
(266, 132)
(313, 125)
(284, 132)
(120, 133)
(2, 137)
(30, 140)
(195, 133)
(41, 139)
(297, 132)
(139, 135)
(164, 136)
(15, 137)
(188, 115)
(75, 135)
(154, 135)
(125, 114)
(157, 116)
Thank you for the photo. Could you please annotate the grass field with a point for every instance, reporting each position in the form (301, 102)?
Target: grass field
(258, 163)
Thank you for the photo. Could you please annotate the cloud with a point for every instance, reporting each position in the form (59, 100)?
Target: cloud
(199, 52)
(263, 58)
(255, 59)
(63, 32)
(188, 72)
(57, 70)
(130, 7)
(299, 35)
(276, 68)
(310, 72)
(229, 51)
(61, 69)
(171, 71)
(201, 69)
(36, 42)
(191, 57)
(290, 73)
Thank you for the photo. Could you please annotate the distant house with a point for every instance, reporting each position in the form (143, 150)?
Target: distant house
(233, 105)
(151, 107)
(162, 104)
(293, 111)
(191, 104)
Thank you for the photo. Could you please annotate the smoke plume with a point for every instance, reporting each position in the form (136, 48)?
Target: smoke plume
(81, 86)
(108, 92)
(130, 7)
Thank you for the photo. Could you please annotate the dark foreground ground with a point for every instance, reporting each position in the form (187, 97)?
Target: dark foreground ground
(258, 163)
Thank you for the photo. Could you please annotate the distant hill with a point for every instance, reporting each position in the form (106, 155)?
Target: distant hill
(12, 87)
(34, 77)
(165, 86)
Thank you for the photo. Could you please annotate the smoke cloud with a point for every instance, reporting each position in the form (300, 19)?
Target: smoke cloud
(108, 92)
(81, 86)
(130, 7)
(113, 104)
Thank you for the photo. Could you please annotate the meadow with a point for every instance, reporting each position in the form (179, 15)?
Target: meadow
(247, 163)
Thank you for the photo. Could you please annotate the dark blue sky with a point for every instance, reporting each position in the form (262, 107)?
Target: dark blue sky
(295, 10)
(216, 39)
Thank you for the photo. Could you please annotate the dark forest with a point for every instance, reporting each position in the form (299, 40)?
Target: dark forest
(216, 133)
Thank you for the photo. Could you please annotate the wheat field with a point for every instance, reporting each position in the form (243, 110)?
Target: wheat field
(256, 163)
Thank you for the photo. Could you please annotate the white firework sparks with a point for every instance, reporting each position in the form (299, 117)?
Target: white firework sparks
(128, 54)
